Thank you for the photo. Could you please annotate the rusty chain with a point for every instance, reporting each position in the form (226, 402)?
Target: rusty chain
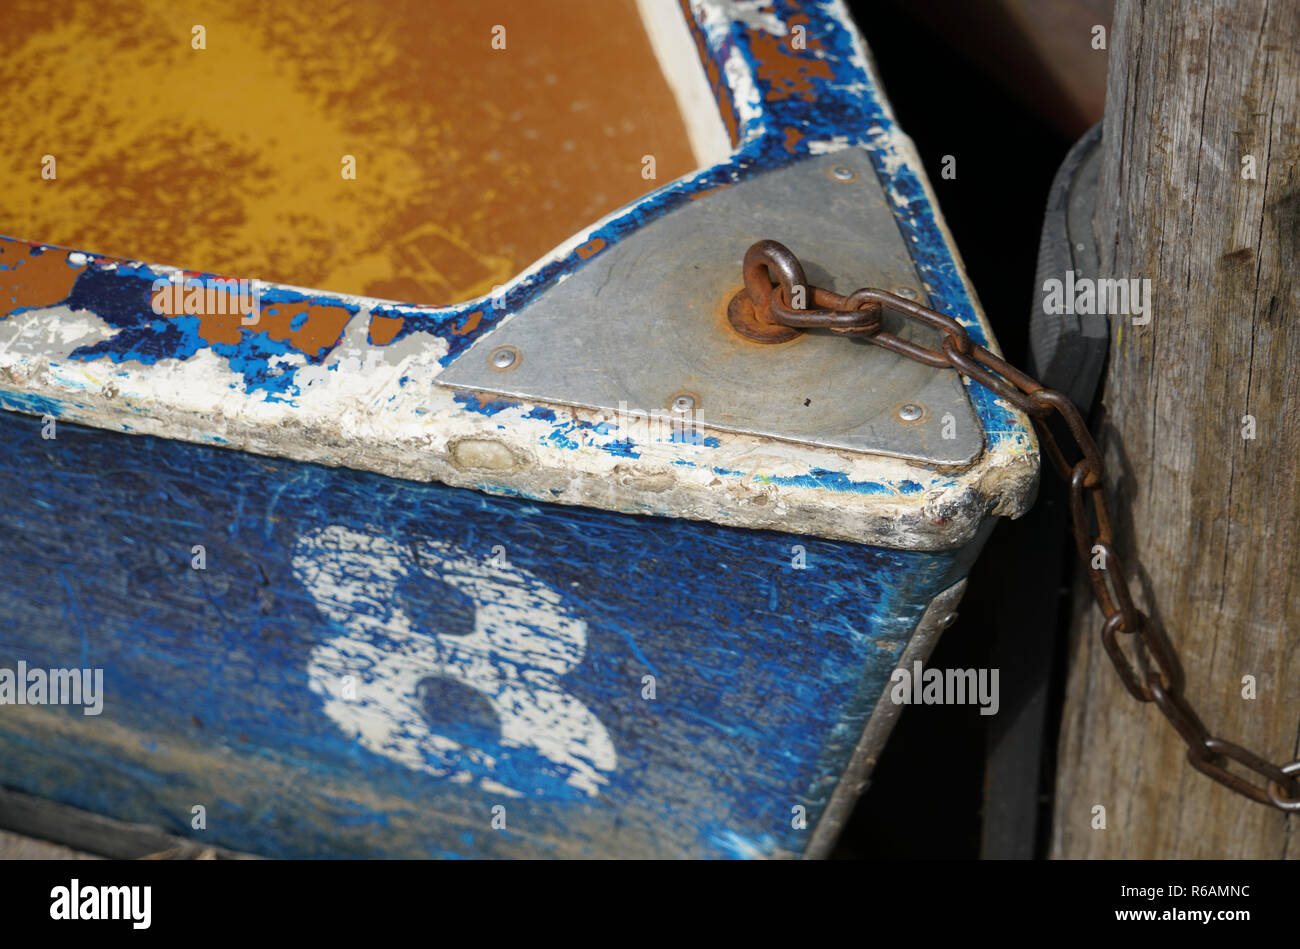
(768, 312)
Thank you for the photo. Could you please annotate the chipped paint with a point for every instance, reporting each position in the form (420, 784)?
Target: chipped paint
(323, 570)
(691, 13)
(384, 329)
(528, 661)
(352, 381)
(31, 278)
(591, 248)
(676, 49)
(522, 642)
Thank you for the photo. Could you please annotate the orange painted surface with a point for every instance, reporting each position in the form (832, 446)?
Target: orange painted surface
(384, 329)
(788, 74)
(31, 282)
(591, 248)
(309, 328)
(471, 162)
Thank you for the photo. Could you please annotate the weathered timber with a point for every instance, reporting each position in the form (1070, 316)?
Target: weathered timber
(1196, 97)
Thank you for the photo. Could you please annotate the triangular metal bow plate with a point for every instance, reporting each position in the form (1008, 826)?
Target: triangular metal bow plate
(644, 323)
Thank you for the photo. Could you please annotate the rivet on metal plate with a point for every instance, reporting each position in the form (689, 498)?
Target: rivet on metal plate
(504, 358)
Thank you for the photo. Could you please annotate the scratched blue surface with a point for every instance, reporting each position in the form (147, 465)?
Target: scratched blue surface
(765, 674)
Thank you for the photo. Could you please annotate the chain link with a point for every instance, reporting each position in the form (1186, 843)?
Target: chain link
(1153, 672)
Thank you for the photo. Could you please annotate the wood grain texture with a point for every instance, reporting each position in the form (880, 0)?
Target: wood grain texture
(81, 835)
(1212, 516)
(17, 847)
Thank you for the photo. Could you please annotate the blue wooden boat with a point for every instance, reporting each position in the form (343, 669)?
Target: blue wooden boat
(569, 569)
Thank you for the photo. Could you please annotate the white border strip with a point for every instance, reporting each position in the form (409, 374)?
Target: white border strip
(679, 61)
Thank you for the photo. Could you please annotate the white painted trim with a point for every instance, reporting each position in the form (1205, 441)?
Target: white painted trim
(679, 61)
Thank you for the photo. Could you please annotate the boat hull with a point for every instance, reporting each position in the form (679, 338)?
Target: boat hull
(587, 683)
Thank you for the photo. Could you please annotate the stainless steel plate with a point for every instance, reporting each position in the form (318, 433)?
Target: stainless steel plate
(644, 322)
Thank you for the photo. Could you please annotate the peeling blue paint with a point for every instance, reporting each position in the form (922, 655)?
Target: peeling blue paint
(760, 693)
(808, 96)
(31, 404)
(559, 439)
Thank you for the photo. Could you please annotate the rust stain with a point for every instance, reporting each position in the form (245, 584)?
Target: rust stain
(482, 401)
(384, 329)
(1241, 255)
(789, 73)
(319, 327)
(33, 280)
(793, 137)
(591, 248)
(219, 329)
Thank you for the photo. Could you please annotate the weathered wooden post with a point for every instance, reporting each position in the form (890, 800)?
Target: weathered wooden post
(1200, 194)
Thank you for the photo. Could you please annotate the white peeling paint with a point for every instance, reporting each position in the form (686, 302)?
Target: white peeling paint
(757, 15)
(746, 97)
(828, 146)
(33, 332)
(523, 641)
(354, 410)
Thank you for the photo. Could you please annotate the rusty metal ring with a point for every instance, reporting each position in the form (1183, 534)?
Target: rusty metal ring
(1083, 470)
(1046, 402)
(961, 342)
(766, 258)
(1280, 802)
(754, 324)
(1127, 671)
(1117, 622)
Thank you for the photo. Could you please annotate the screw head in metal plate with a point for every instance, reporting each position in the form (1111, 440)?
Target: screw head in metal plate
(504, 357)
(682, 403)
(843, 173)
(907, 293)
(910, 412)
